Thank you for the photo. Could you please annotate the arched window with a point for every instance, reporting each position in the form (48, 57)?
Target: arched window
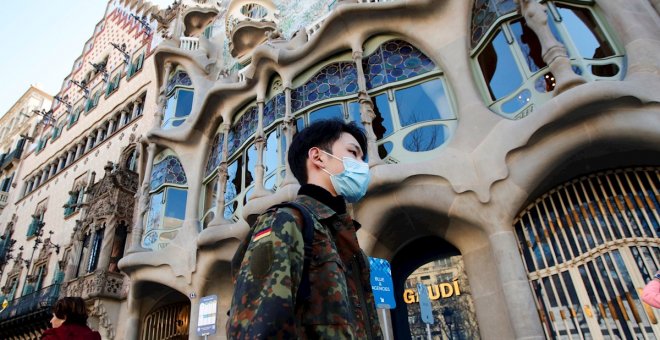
(180, 94)
(168, 193)
(510, 66)
(411, 100)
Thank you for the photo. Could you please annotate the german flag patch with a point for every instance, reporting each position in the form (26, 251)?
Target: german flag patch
(258, 236)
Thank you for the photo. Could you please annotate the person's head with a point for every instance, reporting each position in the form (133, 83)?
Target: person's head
(317, 151)
(69, 310)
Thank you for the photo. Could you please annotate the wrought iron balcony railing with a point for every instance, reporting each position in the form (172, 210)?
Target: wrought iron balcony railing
(38, 301)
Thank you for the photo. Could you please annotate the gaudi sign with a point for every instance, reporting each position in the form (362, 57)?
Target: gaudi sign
(442, 290)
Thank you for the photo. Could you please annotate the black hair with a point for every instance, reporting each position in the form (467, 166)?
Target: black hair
(72, 309)
(321, 134)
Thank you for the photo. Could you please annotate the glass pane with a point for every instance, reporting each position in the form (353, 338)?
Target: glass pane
(385, 149)
(184, 103)
(234, 180)
(175, 208)
(251, 162)
(327, 112)
(156, 206)
(423, 102)
(425, 138)
(518, 102)
(585, 32)
(382, 123)
(499, 68)
(270, 153)
(170, 109)
(210, 194)
(529, 44)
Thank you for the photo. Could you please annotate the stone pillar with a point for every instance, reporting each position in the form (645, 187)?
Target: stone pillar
(219, 218)
(162, 97)
(99, 136)
(289, 127)
(111, 126)
(136, 106)
(143, 202)
(260, 143)
(106, 247)
(122, 118)
(90, 143)
(132, 321)
(367, 114)
(513, 278)
(554, 53)
(44, 174)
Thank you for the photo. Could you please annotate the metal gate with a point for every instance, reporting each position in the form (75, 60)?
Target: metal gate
(167, 322)
(589, 246)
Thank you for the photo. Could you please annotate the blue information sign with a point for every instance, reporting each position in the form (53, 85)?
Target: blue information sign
(208, 309)
(425, 304)
(381, 283)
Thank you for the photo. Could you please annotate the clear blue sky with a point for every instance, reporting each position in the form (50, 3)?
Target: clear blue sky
(40, 41)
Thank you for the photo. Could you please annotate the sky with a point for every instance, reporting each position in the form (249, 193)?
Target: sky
(41, 40)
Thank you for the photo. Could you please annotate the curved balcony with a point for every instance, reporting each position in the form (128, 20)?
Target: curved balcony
(247, 23)
(197, 15)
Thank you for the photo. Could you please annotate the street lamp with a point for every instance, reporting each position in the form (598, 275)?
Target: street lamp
(144, 23)
(64, 101)
(83, 86)
(122, 49)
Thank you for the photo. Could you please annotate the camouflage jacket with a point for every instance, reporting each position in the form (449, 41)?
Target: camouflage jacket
(341, 303)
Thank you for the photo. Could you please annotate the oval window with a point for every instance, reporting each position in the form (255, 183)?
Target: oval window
(425, 138)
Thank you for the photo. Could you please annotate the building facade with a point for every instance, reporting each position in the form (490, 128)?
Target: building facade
(71, 203)
(513, 146)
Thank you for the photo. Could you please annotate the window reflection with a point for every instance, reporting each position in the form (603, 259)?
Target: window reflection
(175, 209)
(588, 37)
(271, 162)
(177, 108)
(251, 160)
(499, 67)
(425, 138)
(529, 44)
(423, 102)
(328, 112)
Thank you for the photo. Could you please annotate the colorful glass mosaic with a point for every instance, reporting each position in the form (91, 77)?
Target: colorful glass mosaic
(485, 13)
(274, 109)
(394, 61)
(335, 80)
(169, 170)
(180, 78)
(215, 156)
(243, 129)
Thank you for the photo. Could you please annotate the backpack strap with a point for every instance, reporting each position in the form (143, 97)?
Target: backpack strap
(304, 289)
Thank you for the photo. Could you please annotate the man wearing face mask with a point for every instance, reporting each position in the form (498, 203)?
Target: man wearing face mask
(285, 291)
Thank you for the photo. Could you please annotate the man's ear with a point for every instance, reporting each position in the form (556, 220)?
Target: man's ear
(315, 156)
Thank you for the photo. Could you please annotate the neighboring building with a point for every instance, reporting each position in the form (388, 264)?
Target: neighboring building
(514, 152)
(72, 203)
(16, 128)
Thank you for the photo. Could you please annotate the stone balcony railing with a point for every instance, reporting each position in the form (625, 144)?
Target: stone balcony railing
(99, 284)
(4, 197)
(189, 43)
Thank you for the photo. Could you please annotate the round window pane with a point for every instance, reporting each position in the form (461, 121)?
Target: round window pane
(425, 138)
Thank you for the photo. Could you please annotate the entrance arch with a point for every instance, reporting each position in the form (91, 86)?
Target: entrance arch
(437, 265)
(167, 317)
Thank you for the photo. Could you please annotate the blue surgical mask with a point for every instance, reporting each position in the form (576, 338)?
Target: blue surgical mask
(351, 183)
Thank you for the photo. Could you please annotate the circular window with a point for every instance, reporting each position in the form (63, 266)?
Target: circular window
(425, 138)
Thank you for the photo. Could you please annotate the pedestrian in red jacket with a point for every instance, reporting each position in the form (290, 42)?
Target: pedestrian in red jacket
(70, 321)
(651, 293)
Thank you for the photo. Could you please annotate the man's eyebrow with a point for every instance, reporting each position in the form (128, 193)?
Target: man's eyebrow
(356, 146)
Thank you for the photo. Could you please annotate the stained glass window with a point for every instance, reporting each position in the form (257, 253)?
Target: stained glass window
(215, 155)
(179, 78)
(485, 13)
(335, 80)
(243, 129)
(394, 61)
(274, 109)
(169, 170)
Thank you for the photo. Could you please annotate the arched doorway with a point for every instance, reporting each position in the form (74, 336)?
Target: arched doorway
(589, 246)
(439, 266)
(168, 318)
